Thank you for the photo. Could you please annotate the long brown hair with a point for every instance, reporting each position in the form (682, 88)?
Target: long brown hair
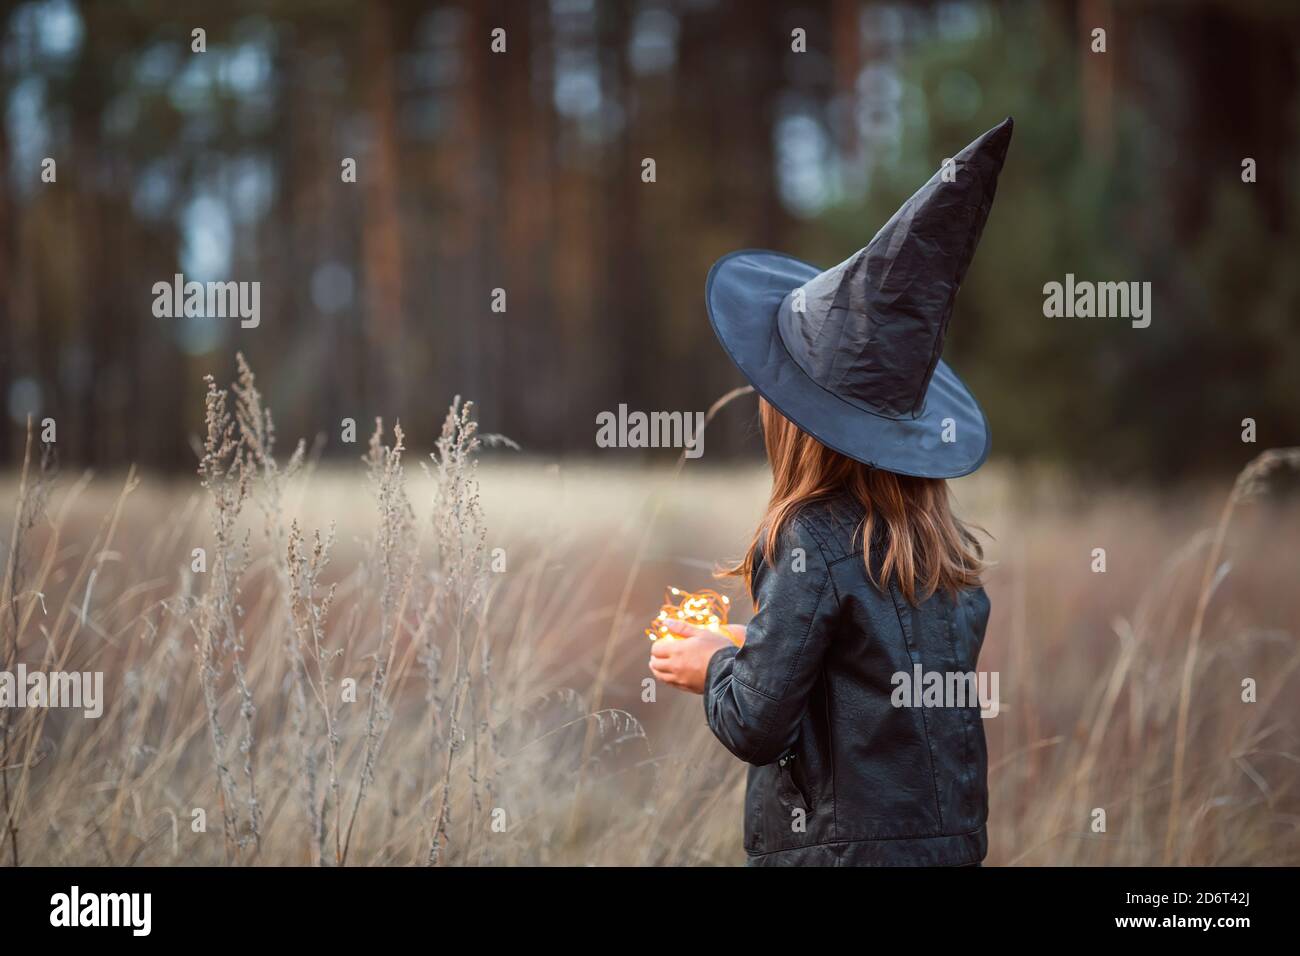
(926, 548)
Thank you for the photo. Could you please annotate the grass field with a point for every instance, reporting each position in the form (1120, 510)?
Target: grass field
(452, 673)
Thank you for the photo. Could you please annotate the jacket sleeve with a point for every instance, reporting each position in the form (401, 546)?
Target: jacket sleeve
(756, 695)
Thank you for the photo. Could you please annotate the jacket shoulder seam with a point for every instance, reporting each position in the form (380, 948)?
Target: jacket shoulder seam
(803, 641)
(826, 560)
(819, 539)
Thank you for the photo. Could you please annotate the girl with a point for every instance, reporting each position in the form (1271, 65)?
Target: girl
(864, 583)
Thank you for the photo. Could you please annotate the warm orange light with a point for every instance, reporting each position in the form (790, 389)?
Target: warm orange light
(707, 609)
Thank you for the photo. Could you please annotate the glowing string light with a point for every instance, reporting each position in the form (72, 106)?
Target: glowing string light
(706, 609)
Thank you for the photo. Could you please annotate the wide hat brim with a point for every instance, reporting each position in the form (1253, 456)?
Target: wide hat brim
(744, 292)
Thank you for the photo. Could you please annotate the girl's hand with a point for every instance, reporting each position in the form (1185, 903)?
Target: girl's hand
(684, 662)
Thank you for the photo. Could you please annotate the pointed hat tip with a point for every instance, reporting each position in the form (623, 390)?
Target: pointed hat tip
(993, 142)
(998, 139)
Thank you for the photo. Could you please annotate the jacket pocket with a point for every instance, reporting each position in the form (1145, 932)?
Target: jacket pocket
(788, 788)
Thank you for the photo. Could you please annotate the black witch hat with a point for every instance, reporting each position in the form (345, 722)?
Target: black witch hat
(852, 354)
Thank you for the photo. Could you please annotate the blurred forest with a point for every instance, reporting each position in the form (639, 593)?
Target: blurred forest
(521, 170)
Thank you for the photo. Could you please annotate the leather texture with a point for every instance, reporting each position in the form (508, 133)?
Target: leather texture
(839, 775)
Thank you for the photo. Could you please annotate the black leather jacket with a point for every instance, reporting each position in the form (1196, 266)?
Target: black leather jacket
(840, 776)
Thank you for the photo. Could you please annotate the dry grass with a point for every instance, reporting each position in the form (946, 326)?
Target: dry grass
(350, 681)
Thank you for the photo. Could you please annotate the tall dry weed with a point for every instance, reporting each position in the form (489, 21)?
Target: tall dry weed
(410, 686)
